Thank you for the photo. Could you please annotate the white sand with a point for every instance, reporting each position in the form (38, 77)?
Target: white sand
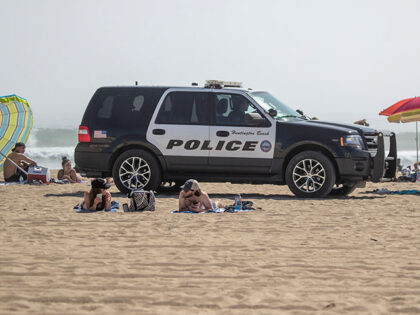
(356, 255)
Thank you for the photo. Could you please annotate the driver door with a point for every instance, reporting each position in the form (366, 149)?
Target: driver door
(242, 136)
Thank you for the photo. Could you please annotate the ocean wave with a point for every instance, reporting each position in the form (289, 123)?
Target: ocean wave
(50, 156)
(50, 152)
(407, 157)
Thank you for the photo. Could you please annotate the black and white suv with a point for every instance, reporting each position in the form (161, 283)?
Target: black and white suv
(145, 136)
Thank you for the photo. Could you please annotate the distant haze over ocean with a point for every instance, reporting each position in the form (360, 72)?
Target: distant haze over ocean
(48, 145)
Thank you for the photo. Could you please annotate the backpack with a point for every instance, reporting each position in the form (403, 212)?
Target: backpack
(142, 200)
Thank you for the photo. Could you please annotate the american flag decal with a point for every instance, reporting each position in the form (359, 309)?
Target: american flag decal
(99, 134)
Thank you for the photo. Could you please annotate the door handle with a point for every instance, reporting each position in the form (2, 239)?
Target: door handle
(222, 133)
(158, 131)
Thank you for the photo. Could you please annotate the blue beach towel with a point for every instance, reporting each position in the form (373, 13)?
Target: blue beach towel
(386, 191)
(114, 208)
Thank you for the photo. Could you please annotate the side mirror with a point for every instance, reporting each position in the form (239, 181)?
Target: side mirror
(255, 120)
(272, 112)
(299, 111)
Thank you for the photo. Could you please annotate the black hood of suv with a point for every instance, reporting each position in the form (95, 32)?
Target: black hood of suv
(361, 130)
(358, 128)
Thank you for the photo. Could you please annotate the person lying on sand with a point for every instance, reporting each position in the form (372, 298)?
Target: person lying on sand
(68, 172)
(362, 122)
(98, 198)
(10, 171)
(192, 198)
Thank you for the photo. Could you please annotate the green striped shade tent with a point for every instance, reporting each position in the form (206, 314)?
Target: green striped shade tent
(15, 123)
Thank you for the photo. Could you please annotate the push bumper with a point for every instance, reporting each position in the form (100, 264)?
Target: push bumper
(373, 166)
(384, 167)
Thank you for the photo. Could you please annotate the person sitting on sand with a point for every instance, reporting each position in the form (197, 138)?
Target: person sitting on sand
(192, 198)
(98, 198)
(68, 172)
(10, 171)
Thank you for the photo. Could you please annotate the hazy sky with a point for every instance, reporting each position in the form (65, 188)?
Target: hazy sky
(337, 60)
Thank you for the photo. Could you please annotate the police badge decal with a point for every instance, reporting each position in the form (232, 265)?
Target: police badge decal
(265, 146)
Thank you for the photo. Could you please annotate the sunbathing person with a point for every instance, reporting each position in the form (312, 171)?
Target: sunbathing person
(192, 198)
(10, 171)
(68, 172)
(98, 198)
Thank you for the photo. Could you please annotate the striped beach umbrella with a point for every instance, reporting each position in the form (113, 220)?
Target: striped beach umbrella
(15, 123)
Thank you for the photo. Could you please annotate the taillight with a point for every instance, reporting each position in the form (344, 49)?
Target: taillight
(84, 135)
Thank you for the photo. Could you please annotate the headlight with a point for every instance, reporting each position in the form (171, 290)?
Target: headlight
(353, 141)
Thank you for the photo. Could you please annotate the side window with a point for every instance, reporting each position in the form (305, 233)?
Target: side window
(184, 108)
(122, 108)
(105, 110)
(236, 110)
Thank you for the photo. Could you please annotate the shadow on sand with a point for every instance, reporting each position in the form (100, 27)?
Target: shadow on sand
(79, 193)
(173, 193)
(269, 196)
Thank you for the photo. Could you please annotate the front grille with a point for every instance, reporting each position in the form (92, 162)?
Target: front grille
(371, 141)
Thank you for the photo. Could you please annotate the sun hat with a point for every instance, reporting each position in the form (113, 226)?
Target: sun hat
(100, 183)
(190, 184)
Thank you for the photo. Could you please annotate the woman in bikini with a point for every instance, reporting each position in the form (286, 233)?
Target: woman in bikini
(98, 198)
(68, 172)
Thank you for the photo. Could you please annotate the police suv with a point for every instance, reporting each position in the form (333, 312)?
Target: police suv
(146, 136)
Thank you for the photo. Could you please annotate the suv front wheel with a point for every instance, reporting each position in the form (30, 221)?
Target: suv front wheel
(310, 174)
(136, 169)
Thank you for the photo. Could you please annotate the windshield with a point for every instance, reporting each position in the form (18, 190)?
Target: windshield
(268, 101)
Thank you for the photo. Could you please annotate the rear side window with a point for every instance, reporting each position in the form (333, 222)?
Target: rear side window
(105, 111)
(121, 108)
(189, 108)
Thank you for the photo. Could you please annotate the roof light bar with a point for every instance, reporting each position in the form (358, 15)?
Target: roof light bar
(218, 84)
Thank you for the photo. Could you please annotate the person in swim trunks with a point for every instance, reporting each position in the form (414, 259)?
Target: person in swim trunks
(192, 198)
(10, 171)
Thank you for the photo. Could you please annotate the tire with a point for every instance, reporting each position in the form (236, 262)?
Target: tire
(344, 190)
(136, 169)
(310, 174)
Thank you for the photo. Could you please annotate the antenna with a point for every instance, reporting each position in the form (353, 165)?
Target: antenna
(137, 83)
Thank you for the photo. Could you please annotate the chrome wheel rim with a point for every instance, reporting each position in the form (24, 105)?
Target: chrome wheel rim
(134, 173)
(309, 175)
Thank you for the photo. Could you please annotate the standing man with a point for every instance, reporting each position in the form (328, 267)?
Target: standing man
(10, 171)
(192, 198)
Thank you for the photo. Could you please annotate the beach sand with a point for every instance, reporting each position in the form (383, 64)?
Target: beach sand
(356, 255)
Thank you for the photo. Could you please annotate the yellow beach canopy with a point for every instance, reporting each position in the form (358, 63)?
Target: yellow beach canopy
(408, 116)
(15, 123)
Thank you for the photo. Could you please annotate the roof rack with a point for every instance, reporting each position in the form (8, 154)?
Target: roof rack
(218, 84)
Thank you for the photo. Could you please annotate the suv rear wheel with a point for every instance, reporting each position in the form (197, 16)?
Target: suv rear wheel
(310, 174)
(136, 169)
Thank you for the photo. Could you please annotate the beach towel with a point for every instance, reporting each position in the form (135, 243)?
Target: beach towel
(386, 191)
(219, 210)
(10, 183)
(114, 208)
